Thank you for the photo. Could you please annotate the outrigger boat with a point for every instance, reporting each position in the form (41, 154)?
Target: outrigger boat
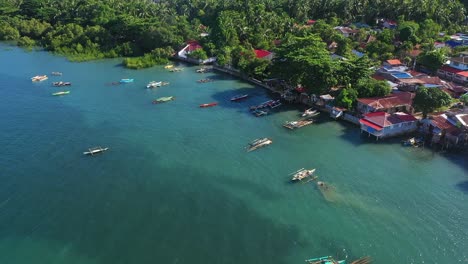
(310, 113)
(208, 105)
(175, 70)
(95, 150)
(61, 93)
(204, 80)
(297, 124)
(153, 84)
(239, 97)
(270, 103)
(126, 80)
(259, 113)
(61, 83)
(331, 260)
(56, 74)
(204, 69)
(301, 174)
(39, 78)
(163, 99)
(258, 143)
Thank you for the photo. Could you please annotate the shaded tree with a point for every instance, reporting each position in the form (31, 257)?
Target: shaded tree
(427, 100)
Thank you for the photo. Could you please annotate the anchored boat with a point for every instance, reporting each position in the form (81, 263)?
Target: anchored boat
(39, 78)
(301, 174)
(126, 80)
(205, 80)
(239, 97)
(153, 84)
(95, 150)
(61, 83)
(208, 105)
(169, 66)
(258, 143)
(297, 124)
(331, 260)
(175, 70)
(310, 113)
(163, 99)
(61, 93)
(259, 113)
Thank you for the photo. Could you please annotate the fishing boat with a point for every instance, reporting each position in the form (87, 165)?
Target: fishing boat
(239, 97)
(204, 80)
(310, 113)
(208, 105)
(204, 69)
(61, 83)
(259, 113)
(163, 99)
(126, 80)
(153, 84)
(39, 78)
(169, 66)
(297, 124)
(301, 174)
(413, 142)
(325, 260)
(56, 74)
(95, 150)
(274, 104)
(261, 106)
(61, 93)
(175, 70)
(331, 260)
(258, 143)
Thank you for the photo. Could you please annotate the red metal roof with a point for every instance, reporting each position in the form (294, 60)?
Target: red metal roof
(441, 122)
(450, 69)
(463, 73)
(367, 123)
(383, 119)
(393, 100)
(262, 53)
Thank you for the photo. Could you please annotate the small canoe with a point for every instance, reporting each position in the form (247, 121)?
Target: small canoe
(61, 93)
(95, 150)
(126, 80)
(239, 97)
(209, 104)
(61, 83)
(163, 99)
(56, 74)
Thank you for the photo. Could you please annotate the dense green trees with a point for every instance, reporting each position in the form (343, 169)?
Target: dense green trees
(429, 99)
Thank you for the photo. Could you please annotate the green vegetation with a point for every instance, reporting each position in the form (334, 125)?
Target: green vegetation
(464, 99)
(429, 99)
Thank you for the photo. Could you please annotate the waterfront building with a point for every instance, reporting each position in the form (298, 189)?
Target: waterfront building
(382, 124)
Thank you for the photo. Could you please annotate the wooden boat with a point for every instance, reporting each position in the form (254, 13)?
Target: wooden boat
(259, 113)
(297, 124)
(239, 97)
(95, 150)
(270, 103)
(209, 104)
(56, 74)
(413, 142)
(175, 70)
(153, 84)
(126, 80)
(204, 80)
(310, 113)
(61, 83)
(204, 69)
(163, 99)
(331, 260)
(39, 78)
(258, 143)
(275, 104)
(61, 93)
(301, 174)
(169, 66)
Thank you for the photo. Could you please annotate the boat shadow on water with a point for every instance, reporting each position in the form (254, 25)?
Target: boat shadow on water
(463, 186)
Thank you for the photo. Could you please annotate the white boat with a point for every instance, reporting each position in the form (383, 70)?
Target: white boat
(95, 150)
(153, 84)
(310, 113)
(301, 174)
(258, 143)
(39, 78)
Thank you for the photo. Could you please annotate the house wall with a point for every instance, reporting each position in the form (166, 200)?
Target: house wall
(457, 65)
(391, 131)
(460, 79)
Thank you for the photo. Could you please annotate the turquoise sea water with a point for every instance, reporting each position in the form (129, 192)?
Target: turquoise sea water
(177, 186)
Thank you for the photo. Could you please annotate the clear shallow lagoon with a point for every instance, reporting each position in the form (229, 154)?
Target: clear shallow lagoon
(177, 186)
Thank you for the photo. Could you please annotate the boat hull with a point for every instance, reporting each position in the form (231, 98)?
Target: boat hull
(208, 105)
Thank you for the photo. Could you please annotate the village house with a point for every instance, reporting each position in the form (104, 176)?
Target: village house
(346, 31)
(392, 63)
(396, 102)
(382, 125)
(191, 46)
(461, 77)
(455, 69)
(412, 84)
(448, 129)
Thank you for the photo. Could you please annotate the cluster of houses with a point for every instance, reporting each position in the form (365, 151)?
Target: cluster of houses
(392, 115)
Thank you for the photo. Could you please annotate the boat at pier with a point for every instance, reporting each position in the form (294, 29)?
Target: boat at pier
(95, 150)
(258, 143)
(61, 83)
(301, 174)
(61, 93)
(310, 113)
(204, 69)
(208, 105)
(297, 124)
(126, 80)
(239, 97)
(39, 78)
(163, 99)
(270, 103)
